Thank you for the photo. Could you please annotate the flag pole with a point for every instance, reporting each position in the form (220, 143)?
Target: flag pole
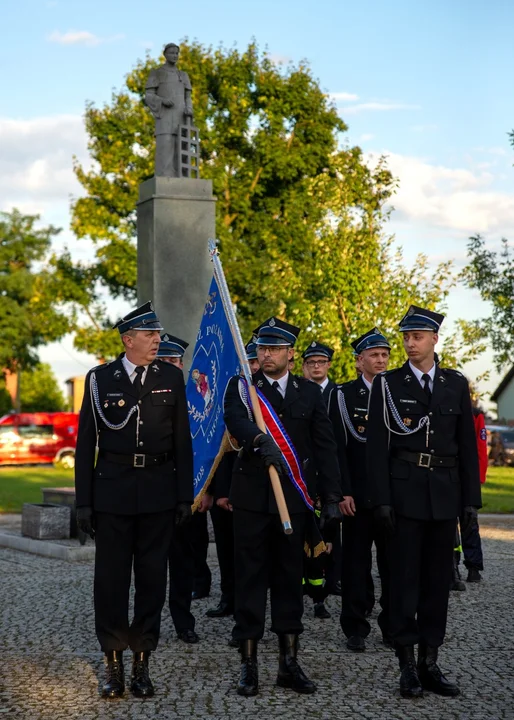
(245, 365)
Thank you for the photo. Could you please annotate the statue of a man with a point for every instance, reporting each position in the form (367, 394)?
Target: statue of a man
(168, 95)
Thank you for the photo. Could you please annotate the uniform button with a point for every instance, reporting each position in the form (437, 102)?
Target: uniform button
(140, 443)
(140, 422)
(432, 451)
(431, 432)
(431, 469)
(139, 402)
(430, 414)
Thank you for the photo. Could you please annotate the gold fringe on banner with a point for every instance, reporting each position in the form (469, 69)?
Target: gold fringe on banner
(224, 447)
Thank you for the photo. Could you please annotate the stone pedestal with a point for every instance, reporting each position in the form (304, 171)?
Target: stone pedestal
(175, 219)
(45, 521)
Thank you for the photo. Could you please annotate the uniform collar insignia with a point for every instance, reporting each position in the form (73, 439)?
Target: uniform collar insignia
(155, 368)
(295, 385)
(408, 378)
(117, 374)
(260, 383)
(442, 378)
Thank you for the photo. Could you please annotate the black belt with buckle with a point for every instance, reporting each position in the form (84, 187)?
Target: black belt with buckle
(426, 460)
(137, 460)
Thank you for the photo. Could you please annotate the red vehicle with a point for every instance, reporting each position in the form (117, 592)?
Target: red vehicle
(38, 438)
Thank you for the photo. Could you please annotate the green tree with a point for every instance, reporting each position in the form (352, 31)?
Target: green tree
(491, 272)
(39, 390)
(300, 218)
(29, 316)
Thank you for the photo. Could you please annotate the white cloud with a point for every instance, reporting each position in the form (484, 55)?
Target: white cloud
(366, 137)
(36, 161)
(343, 96)
(80, 37)
(377, 107)
(451, 198)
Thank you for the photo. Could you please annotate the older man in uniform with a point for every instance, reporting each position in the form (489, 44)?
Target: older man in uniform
(423, 471)
(317, 359)
(141, 486)
(264, 555)
(349, 415)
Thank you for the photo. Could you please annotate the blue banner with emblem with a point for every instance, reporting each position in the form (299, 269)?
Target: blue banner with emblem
(214, 362)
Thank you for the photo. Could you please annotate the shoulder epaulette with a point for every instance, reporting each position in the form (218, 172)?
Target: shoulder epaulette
(451, 371)
(101, 367)
(347, 383)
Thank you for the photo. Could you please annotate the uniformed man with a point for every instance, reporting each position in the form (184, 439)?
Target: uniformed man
(264, 555)
(141, 486)
(189, 544)
(423, 469)
(349, 415)
(221, 515)
(316, 366)
(317, 360)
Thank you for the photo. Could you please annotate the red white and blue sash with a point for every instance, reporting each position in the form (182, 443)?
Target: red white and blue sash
(283, 441)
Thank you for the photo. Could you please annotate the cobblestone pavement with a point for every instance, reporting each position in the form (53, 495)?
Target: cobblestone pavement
(50, 665)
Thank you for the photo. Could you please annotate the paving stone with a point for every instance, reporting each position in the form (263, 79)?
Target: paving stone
(52, 667)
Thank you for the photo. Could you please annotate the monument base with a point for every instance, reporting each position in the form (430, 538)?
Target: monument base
(175, 219)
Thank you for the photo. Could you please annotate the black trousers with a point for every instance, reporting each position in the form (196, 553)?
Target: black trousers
(472, 547)
(124, 542)
(420, 561)
(357, 598)
(181, 566)
(333, 572)
(264, 556)
(199, 538)
(223, 525)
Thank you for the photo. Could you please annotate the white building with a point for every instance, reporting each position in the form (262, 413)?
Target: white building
(504, 397)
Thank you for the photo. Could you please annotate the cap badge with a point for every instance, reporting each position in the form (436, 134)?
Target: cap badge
(271, 323)
(166, 338)
(410, 311)
(313, 344)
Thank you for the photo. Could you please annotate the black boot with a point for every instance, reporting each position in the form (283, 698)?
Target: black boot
(473, 575)
(410, 685)
(290, 674)
(457, 583)
(249, 680)
(320, 611)
(430, 674)
(224, 608)
(140, 684)
(114, 686)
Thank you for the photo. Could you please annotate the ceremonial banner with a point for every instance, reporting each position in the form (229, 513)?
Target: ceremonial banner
(214, 362)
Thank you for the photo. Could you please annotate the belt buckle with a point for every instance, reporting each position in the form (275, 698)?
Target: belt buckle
(424, 460)
(139, 461)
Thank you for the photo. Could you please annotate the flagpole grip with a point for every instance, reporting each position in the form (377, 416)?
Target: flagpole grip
(273, 474)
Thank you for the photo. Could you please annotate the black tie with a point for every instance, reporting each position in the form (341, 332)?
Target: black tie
(138, 380)
(276, 387)
(426, 386)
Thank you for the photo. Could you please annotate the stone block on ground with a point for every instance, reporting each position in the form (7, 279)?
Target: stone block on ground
(45, 521)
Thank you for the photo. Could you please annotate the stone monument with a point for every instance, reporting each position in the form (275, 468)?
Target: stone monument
(176, 209)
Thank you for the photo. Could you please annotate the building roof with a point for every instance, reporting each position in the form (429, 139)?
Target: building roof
(503, 385)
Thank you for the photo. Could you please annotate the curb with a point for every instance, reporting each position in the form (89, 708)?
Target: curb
(46, 548)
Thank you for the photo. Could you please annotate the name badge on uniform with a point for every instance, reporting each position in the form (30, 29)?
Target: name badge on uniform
(409, 402)
(114, 394)
(166, 390)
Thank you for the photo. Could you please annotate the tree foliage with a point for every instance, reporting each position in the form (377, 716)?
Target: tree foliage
(40, 391)
(29, 316)
(491, 272)
(300, 217)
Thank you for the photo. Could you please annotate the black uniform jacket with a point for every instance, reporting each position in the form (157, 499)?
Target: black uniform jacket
(327, 393)
(163, 428)
(352, 452)
(421, 493)
(302, 412)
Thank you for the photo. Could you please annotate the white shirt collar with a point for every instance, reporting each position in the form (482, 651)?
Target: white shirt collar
(366, 382)
(324, 384)
(282, 382)
(131, 369)
(419, 373)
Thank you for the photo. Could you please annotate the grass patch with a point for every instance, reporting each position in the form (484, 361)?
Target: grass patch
(23, 484)
(498, 490)
(19, 485)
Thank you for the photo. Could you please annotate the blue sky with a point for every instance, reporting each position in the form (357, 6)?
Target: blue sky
(428, 83)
